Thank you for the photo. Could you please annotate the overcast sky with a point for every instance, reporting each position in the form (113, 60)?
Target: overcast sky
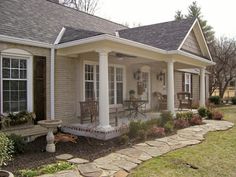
(220, 14)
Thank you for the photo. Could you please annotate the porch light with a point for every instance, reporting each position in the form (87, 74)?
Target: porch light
(137, 75)
(160, 76)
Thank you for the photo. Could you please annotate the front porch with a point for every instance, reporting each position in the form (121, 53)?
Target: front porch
(117, 128)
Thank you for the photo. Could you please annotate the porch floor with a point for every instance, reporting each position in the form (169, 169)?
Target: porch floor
(91, 130)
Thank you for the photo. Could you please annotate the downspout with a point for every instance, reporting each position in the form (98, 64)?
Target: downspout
(52, 86)
(52, 74)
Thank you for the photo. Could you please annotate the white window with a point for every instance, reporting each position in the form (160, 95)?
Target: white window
(16, 82)
(116, 83)
(187, 82)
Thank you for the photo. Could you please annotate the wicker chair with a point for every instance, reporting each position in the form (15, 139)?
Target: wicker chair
(161, 101)
(185, 100)
(88, 108)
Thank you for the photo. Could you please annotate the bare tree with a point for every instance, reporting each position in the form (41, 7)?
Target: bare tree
(89, 6)
(223, 52)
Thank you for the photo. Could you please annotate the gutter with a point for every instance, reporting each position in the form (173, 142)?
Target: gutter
(24, 41)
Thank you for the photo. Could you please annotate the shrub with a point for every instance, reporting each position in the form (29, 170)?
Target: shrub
(216, 115)
(233, 100)
(124, 139)
(196, 120)
(209, 114)
(6, 149)
(214, 99)
(134, 127)
(156, 131)
(18, 143)
(184, 115)
(202, 111)
(165, 117)
(195, 105)
(142, 135)
(169, 127)
(181, 123)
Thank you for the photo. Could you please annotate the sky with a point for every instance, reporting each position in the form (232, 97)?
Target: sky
(220, 14)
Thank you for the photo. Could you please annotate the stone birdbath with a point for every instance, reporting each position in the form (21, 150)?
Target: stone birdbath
(50, 125)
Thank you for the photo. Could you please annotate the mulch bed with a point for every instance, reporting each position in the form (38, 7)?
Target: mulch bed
(35, 154)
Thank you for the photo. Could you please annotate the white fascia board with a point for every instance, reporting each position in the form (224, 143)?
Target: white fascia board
(189, 31)
(16, 40)
(58, 39)
(110, 38)
(186, 54)
(204, 40)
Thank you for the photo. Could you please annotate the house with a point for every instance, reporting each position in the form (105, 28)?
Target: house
(53, 57)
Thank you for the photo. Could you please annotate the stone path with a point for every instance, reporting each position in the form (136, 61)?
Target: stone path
(120, 163)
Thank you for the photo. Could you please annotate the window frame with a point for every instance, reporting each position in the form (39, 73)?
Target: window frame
(87, 62)
(19, 54)
(186, 75)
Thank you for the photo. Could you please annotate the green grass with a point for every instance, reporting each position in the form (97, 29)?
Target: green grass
(46, 169)
(215, 157)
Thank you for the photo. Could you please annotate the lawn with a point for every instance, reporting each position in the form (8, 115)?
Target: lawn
(215, 157)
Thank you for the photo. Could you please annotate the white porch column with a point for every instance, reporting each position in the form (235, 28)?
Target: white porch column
(52, 82)
(103, 91)
(170, 87)
(202, 87)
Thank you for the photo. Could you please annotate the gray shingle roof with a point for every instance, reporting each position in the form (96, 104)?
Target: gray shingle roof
(42, 20)
(167, 36)
(72, 34)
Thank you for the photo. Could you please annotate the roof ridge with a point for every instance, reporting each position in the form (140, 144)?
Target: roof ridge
(86, 13)
(161, 23)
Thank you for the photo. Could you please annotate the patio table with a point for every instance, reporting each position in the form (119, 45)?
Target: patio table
(134, 106)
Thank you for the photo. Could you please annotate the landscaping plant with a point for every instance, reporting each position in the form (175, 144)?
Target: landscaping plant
(196, 120)
(233, 100)
(202, 111)
(217, 115)
(181, 123)
(156, 132)
(18, 143)
(6, 149)
(215, 99)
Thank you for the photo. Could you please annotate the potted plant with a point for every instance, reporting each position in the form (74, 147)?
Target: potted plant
(131, 94)
(6, 150)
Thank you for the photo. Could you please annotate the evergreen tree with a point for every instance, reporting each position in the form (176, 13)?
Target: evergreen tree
(194, 11)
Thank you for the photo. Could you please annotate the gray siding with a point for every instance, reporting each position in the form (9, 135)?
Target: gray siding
(191, 45)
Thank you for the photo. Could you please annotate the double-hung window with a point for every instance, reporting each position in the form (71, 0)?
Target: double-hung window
(14, 84)
(116, 83)
(187, 82)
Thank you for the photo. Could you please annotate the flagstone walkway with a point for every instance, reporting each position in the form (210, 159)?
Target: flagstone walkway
(120, 163)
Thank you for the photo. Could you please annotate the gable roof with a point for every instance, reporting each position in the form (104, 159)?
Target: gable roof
(166, 36)
(41, 20)
(72, 34)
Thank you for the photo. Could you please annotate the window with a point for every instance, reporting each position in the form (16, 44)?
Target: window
(14, 84)
(115, 76)
(187, 82)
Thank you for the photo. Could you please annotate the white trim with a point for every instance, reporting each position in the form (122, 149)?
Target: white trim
(186, 54)
(52, 83)
(24, 41)
(202, 35)
(29, 77)
(186, 36)
(95, 63)
(111, 38)
(58, 39)
(187, 75)
(208, 51)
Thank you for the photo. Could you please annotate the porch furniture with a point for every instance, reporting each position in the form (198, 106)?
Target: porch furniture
(161, 101)
(134, 106)
(185, 100)
(116, 111)
(88, 108)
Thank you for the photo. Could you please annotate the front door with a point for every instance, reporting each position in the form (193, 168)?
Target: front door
(40, 87)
